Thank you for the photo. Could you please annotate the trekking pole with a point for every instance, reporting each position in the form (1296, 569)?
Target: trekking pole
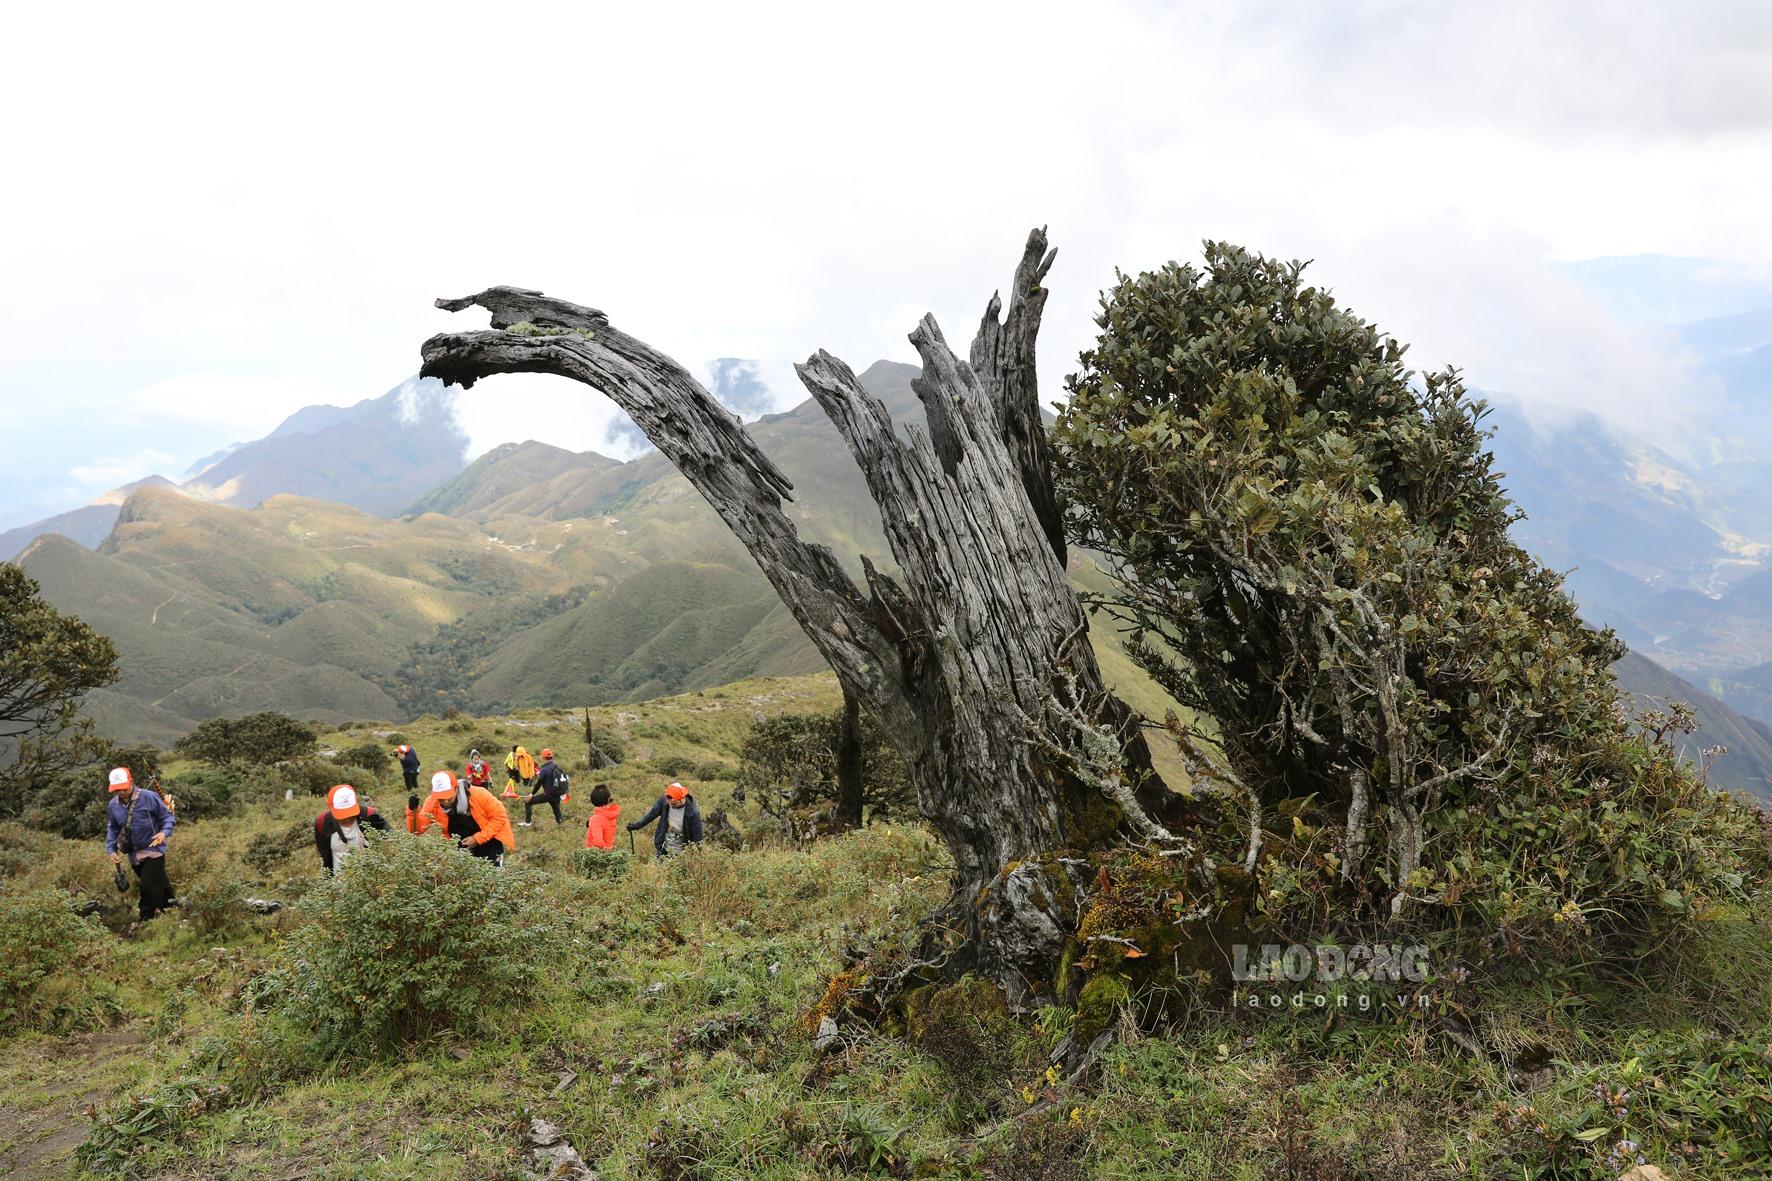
(632, 851)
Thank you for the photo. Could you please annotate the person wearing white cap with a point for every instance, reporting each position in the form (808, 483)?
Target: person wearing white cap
(138, 825)
(470, 816)
(338, 831)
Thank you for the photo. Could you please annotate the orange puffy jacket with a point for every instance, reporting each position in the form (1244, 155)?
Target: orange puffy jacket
(600, 832)
(483, 806)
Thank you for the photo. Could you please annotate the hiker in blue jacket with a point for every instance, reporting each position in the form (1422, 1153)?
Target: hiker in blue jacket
(408, 765)
(138, 826)
(679, 821)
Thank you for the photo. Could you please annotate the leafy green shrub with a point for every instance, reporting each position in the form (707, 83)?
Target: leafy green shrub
(1312, 547)
(416, 936)
(673, 765)
(372, 757)
(260, 738)
(601, 863)
(145, 1124)
(268, 850)
(310, 776)
(491, 748)
(1704, 1101)
(203, 792)
(51, 961)
(68, 804)
(788, 765)
(716, 769)
(398, 739)
(211, 902)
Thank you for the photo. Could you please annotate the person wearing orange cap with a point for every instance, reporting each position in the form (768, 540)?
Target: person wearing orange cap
(338, 830)
(138, 825)
(469, 815)
(408, 765)
(550, 787)
(679, 818)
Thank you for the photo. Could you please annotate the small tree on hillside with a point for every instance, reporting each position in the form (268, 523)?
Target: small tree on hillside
(1313, 550)
(48, 662)
(793, 766)
(256, 739)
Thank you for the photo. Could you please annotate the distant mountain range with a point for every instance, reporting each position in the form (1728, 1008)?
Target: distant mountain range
(378, 455)
(350, 564)
(533, 576)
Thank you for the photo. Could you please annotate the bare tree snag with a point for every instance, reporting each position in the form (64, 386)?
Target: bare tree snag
(975, 661)
(850, 786)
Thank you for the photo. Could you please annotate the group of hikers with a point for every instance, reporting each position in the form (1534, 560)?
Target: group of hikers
(460, 808)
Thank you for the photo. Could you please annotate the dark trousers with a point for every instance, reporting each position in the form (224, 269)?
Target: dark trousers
(411, 780)
(542, 797)
(493, 850)
(150, 873)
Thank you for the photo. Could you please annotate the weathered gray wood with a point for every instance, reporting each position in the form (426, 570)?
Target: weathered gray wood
(962, 656)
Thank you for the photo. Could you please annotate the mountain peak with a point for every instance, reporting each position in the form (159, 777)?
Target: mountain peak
(119, 495)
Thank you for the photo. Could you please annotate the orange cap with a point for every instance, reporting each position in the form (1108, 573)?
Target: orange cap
(547, 752)
(675, 792)
(443, 783)
(343, 802)
(402, 748)
(121, 779)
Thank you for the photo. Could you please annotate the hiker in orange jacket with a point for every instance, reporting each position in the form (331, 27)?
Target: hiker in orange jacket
(471, 816)
(600, 832)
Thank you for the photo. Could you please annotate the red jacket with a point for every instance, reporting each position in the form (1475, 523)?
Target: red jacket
(600, 832)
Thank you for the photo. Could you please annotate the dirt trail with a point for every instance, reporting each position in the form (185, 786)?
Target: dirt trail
(39, 1134)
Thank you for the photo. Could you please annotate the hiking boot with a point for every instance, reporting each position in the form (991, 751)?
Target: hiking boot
(524, 824)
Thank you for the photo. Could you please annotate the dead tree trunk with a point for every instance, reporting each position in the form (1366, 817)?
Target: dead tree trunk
(849, 777)
(597, 758)
(976, 660)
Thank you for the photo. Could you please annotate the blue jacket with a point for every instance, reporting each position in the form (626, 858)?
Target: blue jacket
(151, 816)
(659, 811)
(547, 779)
(409, 761)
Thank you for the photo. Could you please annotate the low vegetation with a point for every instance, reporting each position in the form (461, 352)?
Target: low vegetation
(667, 1017)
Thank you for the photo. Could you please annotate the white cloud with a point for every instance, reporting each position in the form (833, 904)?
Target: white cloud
(240, 405)
(809, 176)
(110, 471)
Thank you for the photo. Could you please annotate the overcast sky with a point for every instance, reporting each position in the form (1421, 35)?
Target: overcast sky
(215, 214)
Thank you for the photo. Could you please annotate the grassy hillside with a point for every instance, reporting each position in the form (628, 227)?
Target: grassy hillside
(537, 576)
(505, 470)
(672, 1037)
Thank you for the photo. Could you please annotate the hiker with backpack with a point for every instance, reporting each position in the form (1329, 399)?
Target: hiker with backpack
(679, 818)
(470, 816)
(550, 786)
(408, 765)
(138, 825)
(338, 830)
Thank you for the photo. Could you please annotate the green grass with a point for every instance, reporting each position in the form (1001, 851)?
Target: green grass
(681, 1020)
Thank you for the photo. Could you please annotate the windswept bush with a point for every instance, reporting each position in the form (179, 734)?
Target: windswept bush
(788, 765)
(414, 937)
(1313, 549)
(51, 961)
(370, 756)
(257, 739)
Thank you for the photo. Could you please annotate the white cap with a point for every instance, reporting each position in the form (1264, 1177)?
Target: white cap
(442, 783)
